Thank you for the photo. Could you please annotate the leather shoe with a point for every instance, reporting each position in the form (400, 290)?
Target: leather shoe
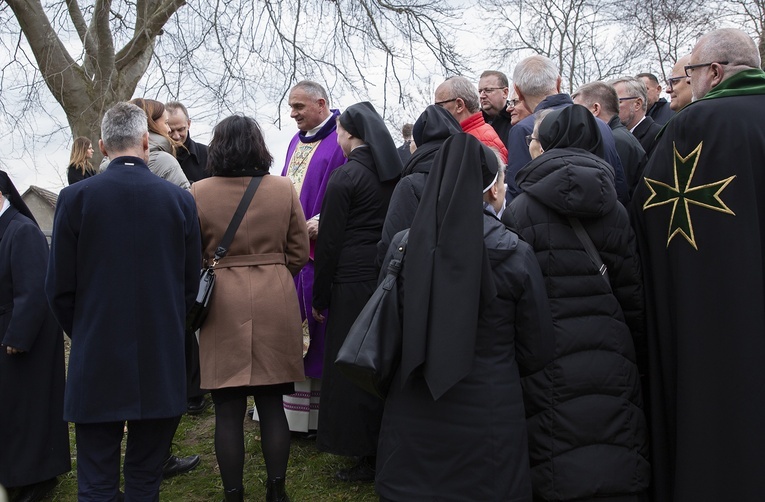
(178, 465)
(197, 405)
(362, 472)
(35, 492)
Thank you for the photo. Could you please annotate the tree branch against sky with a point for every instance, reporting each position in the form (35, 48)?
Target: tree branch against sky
(579, 35)
(224, 56)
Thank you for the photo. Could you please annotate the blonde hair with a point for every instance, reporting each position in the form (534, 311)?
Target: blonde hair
(79, 156)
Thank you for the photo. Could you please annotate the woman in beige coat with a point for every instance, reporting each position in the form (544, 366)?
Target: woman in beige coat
(251, 343)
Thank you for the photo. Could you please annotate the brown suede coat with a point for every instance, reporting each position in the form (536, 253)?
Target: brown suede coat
(253, 335)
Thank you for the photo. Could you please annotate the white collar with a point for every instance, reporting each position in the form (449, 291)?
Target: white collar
(6, 205)
(315, 130)
(639, 121)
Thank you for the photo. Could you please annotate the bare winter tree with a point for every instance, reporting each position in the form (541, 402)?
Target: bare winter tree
(669, 29)
(578, 34)
(229, 55)
(748, 15)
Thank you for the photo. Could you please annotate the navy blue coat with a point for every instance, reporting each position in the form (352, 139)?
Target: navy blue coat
(123, 272)
(34, 439)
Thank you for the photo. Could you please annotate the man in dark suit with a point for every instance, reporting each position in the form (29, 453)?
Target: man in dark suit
(600, 98)
(124, 271)
(192, 156)
(632, 107)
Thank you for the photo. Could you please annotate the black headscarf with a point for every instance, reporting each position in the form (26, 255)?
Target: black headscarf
(8, 189)
(363, 122)
(448, 275)
(571, 127)
(430, 130)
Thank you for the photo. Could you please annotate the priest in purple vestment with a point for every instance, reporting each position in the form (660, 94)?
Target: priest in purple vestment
(312, 156)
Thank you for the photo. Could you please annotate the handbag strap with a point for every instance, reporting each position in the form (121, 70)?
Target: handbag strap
(222, 249)
(397, 258)
(589, 247)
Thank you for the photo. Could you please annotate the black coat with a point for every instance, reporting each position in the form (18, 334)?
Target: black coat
(34, 439)
(124, 271)
(73, 175)
(471, 443)
(433, 127)
(352, 215)
(705, 286)
(501, 123)
(646, 132)
(630, 151)
(660, 112)
(587, 429)
(192, 157)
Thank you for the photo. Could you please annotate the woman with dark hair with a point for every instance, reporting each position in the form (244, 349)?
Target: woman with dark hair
(252, 341)
(587, 432)
(475, 319)
(162, 160)
(79, 161)
(352, 215)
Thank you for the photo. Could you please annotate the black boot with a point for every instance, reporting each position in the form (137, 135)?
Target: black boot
(234, 495)
(275, 491)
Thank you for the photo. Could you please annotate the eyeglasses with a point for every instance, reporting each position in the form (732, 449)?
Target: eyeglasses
(489, 90)
(512, 103)
(442, 103)
(673, 80)
(530, 138)
(689, 68)
(622, 100)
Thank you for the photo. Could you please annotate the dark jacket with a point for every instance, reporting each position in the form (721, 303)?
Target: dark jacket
(660, 112)
(34, 438)
(587, 429)
(192, 157)
(630, 151)
(501, 123)
(124, 270)
(431, 129)
(646, 132)
(470, 444)
(73, 175)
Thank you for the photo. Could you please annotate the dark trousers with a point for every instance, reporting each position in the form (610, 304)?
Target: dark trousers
(98, 459)
(192, 367)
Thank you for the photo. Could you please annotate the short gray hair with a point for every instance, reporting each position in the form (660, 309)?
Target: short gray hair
(536, 76)
(173, 106)
(123, 127)
(599, 92)
(466, 91)
(635, 87)
(728, 44)
(313, 89)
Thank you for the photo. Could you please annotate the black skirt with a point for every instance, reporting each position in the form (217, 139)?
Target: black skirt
(349, 418)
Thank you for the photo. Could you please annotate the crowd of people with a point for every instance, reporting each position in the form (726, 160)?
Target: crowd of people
(582, 292)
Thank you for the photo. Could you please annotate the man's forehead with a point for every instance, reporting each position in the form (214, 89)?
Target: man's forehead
(177, 117)
(489, 79)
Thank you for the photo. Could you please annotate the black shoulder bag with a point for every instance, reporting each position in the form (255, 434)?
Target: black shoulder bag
(371, 352)
(198, 313)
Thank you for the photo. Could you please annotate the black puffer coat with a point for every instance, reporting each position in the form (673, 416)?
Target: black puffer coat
(587, 429)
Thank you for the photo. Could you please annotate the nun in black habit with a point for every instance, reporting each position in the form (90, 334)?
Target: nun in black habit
(475, 319)
(34, 439)
(430, 130)
(352, 216)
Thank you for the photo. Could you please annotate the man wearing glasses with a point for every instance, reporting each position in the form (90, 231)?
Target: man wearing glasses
(632, 107)
(699, 220)
(677, 85)
(493, 89)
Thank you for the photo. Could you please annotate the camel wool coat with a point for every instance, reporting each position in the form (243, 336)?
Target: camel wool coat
(253, 334)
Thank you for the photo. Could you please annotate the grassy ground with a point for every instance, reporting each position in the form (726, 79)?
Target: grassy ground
(309, 475)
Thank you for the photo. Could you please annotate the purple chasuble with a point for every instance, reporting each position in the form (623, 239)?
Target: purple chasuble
(326, 158)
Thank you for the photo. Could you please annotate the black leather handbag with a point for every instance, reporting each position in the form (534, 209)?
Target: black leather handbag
(198, 313)
(371, 352)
